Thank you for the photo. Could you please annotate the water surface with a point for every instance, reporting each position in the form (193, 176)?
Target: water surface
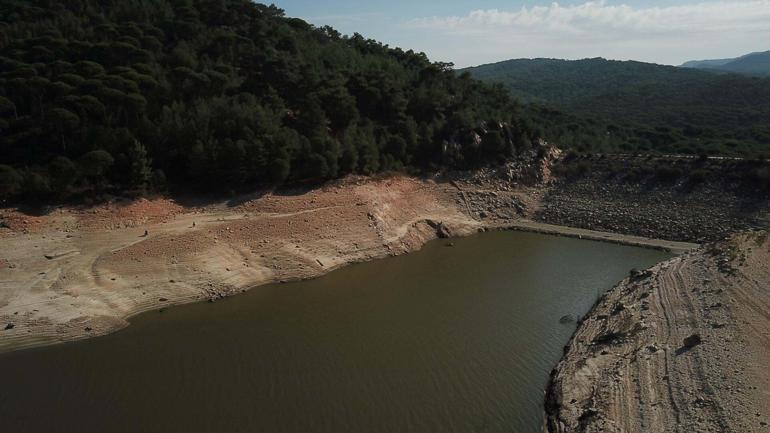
(444, 340)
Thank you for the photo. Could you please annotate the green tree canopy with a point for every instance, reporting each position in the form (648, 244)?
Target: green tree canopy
(224, 95)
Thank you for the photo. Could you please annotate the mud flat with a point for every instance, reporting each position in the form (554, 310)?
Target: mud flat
(681, 347)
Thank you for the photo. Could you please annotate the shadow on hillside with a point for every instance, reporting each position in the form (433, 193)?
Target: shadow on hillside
(233, 200)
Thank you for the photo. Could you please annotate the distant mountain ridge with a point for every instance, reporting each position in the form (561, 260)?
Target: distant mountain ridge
(750, 64)
(706, 64)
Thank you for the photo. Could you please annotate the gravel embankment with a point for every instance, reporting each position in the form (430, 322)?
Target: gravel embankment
(607, 201)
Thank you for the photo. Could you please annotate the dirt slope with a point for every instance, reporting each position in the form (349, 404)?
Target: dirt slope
(78, 273)
(634, 364)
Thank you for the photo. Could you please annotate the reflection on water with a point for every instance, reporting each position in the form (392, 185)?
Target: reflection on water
(445, 340)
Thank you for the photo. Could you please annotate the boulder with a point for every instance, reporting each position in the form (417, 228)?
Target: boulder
(619, 307)
(441, 230)
(637, 275)
(692, 341)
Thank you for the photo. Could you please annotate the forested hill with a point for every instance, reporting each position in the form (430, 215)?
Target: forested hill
(653, 107)
(751, 64)
(130, 96)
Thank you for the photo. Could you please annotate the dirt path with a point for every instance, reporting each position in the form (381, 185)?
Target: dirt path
(634, 364)
(639, 241)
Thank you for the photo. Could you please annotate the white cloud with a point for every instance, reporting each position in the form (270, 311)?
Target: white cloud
(664, 34)
(345, 19)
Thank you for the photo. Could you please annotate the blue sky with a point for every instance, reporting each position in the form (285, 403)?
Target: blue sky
(475, 32)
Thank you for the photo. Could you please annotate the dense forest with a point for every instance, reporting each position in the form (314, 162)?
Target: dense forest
(641, 107)
(131, 96)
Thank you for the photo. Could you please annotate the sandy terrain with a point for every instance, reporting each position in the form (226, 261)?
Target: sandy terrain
(78, 273)
(635, 366)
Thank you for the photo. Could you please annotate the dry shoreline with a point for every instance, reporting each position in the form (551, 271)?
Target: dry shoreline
(82, 273)
(681, 347)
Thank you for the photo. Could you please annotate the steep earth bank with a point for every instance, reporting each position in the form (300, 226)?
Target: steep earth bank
(76, 273)
(682, 347)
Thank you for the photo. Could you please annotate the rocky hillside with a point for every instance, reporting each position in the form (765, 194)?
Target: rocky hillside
(671, 198)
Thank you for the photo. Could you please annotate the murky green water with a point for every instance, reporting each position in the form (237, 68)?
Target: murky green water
(444, 340)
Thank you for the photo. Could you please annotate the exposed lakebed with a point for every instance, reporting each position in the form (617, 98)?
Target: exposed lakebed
(443, 340)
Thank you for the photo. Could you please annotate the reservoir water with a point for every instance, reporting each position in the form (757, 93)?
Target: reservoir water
(443, 340)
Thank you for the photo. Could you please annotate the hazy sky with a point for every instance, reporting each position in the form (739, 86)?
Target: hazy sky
(474, 32)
